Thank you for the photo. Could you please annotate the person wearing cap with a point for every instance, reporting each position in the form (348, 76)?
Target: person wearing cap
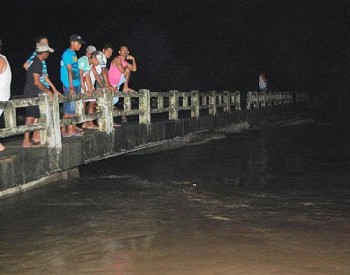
(34, 87)
(44, 77)
(89, 50)
(70, 78)
(5, 82)
(87, 81)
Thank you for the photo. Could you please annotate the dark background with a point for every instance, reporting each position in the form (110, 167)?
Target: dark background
(202, 45)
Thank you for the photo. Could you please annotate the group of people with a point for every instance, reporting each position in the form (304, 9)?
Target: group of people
(83, 75)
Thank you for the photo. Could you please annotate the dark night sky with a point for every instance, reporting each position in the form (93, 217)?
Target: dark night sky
(205, 45)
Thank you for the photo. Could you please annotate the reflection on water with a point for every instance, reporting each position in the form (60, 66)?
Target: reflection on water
(274, 201)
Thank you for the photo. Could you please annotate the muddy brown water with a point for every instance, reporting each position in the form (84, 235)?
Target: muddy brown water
(271, 201)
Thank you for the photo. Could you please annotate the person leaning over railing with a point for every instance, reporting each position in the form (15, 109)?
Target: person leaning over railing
(5, 82)
(87, 81)
(44, 77)
(34, 87)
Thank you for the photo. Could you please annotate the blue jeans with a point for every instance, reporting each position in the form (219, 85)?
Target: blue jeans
(69, 107)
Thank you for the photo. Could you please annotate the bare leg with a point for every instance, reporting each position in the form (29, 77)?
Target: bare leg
(26, 140)
(36, 134)
(91, 108)
(126, 87)
(2, 147)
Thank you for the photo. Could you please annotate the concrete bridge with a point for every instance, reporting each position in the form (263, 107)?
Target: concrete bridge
(155, 118)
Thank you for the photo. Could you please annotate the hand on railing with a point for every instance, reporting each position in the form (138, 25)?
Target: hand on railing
(57, 92)
(90, 92)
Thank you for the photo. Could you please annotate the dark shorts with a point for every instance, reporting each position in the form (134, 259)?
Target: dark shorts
(32, 111)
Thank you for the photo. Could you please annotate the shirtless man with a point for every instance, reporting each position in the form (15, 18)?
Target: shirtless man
(5, 83)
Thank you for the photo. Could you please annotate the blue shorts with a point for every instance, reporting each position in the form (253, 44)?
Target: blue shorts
(69, 107)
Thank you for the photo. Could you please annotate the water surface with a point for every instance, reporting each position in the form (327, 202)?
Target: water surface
(273, 201)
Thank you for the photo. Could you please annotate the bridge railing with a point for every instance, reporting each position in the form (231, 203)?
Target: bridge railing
(261, 100)
(148, 103)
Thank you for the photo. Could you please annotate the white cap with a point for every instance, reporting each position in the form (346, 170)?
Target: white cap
(43, 47)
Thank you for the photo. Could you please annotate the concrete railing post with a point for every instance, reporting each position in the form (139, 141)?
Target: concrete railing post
(237, 97)
(249, 99)
(10, 116)
(105, 105)
(279, 98)
(255, 99)
(127, 102)
(262, 99)
(195, 104)
(79, 107)
(274, 99)
(51, 135)
(227, 102)
(173, 105)
(160, 103)
(185, 100)
(212, 103)
(50, 117)
(145, 106)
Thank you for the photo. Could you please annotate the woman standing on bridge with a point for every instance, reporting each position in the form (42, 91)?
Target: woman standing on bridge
(5, 83)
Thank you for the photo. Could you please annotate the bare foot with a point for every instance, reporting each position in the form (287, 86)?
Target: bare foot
(27, 144)
(128, 90)
(2, 147)
(91, 126)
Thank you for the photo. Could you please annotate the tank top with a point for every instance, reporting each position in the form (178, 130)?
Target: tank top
(114, 74)
(5, 83)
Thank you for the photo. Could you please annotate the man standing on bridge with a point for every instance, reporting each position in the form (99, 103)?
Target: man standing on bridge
(70, 78)
(34, 87)
(5, 83)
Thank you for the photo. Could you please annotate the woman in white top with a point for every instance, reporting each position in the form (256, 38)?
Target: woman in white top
(5, 83)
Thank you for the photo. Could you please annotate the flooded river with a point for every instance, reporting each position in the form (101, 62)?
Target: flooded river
(270, 201)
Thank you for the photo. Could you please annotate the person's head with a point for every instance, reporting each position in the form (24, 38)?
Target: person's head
(123, 51)
(89, 50)
(43, 50)
(95, 58)
(75, 42)
(42, 39)
(107, 50)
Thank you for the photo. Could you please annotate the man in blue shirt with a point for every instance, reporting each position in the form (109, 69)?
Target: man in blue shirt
(70, 78)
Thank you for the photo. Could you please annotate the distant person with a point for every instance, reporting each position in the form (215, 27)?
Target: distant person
(5, 82)
(70, 78)
(262, 82)
(34, 87)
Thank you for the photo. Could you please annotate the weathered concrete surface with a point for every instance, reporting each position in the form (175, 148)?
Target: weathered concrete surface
(22, 168)
(55, 177)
